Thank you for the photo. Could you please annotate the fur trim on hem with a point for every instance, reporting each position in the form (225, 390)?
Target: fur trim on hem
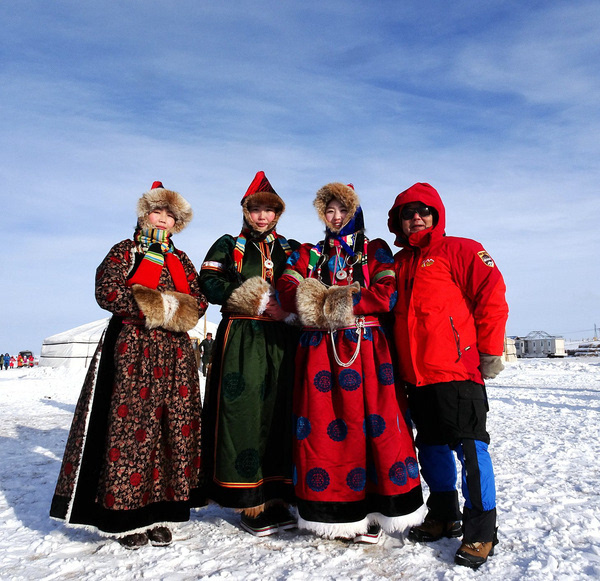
(393, 524)
(107, 535)
(347, 530)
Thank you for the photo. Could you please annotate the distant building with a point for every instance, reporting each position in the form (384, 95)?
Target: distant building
(540, 344)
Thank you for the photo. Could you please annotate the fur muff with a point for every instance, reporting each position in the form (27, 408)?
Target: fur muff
(343, 194)
(162, 198)
(310, 298)
(251, 297)
(185, 316)
(338, 309)
(150, 302)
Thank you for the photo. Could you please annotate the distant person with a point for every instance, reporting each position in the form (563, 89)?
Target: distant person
(6, 360)
(132, 461)
(206, 347)
(19, 361)
(354, 457)
(449, 332)
(31, 360)
(13, 362)
(247, 417)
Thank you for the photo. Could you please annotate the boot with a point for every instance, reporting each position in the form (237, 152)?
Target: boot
(160, 536)
(475, 554)
(133, 541)
(433, 530)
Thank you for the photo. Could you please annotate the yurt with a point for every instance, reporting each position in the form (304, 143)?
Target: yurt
(74, 348)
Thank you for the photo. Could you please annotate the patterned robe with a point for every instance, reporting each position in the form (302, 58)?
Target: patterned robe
(247, 421)
(133, 453)
(354, 457)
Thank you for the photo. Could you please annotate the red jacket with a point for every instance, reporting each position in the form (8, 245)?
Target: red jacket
(451, 299)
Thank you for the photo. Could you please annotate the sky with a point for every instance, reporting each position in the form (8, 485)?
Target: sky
(496, 104)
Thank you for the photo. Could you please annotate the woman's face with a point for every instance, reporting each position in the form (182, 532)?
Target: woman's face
(162, 219)
(262, 215)
(335, 213)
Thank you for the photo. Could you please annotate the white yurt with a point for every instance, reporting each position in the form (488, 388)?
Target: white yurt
(73, 348)
(76, 347)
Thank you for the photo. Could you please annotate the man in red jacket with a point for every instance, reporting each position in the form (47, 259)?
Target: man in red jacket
(449, 325)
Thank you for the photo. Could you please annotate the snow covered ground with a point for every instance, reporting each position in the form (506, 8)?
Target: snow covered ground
(545, 428)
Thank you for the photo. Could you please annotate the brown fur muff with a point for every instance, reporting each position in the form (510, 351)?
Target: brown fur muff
(151, 304)
(338, 309)
(343, 194)
(251, 297)
(310, 298)
(186, 316)
(162, 198)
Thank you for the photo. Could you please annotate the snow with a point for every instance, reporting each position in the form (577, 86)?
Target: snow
(544, 422)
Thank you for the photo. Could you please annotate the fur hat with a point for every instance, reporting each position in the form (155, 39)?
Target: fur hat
(159, 197)
(261, 191)
(344, 194)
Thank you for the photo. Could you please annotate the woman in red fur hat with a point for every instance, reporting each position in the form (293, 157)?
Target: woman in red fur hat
(132, 459)
(355, 465)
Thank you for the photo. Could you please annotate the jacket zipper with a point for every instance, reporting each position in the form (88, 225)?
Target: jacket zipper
(456, 339)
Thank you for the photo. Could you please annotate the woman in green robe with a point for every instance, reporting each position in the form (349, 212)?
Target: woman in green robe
(247, 417)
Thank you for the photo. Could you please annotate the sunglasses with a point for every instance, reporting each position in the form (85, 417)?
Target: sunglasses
(408, 213)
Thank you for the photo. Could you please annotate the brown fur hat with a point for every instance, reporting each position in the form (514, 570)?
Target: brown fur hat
(159, 197)
(344, 194)
(260, 192)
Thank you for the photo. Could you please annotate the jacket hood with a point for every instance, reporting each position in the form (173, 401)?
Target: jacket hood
(428, 195)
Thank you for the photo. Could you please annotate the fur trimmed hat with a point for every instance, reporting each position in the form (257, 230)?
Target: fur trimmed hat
(344, 194)
(261, 191)
(159, 197)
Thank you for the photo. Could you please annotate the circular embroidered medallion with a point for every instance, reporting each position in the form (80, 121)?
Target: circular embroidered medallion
(398, 474)
(337, 430)
(322, 381)
(247, 462)
(412, 467)
(374, 425)
(233, 385)
(303, 428)
(386, 374)
(317, 479)
(350, 379)
(356, 479)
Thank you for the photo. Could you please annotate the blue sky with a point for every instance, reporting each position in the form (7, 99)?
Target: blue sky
(496, 104)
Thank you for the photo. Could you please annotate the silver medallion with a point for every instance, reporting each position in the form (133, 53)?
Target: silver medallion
(341, 275)
(268, 264)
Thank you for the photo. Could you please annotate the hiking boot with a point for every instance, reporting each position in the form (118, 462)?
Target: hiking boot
(474, 555)
(371, 537)
(260, 526)
(433, 530)
(160, 536)
(133, 541)
(281, 515)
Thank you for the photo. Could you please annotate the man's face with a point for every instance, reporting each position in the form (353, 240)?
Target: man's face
(414, 217)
